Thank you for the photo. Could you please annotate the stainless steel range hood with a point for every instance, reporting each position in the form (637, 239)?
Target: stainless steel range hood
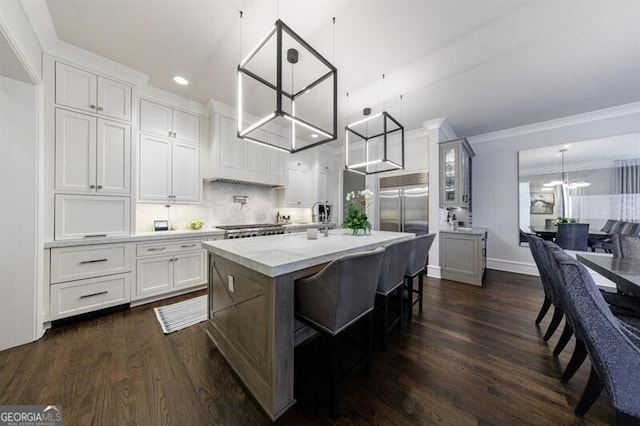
(242, 182)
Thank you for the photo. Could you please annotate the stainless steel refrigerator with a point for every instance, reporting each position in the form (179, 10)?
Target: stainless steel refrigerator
(404, 203)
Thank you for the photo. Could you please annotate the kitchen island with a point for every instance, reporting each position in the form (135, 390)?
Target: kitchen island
(251, 302)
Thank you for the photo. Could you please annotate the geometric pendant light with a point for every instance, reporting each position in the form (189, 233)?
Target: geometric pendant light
(374, 144)
(286, 93)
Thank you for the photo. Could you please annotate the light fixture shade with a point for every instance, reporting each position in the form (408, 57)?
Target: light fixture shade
(374, 145)
(287, 93)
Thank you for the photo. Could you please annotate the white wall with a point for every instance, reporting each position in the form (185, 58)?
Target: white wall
(495, 174)
(18, 212)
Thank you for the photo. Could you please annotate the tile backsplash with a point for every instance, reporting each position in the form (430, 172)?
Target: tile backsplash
(218, 208)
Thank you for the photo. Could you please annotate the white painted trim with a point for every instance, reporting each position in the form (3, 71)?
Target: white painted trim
(172, 100)
(34, 74)
(441, 124)
(434, 271)
(90, 61)
(40, 19)
(511, 266)
(572, 120)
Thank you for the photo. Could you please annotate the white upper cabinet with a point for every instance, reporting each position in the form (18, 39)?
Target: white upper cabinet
(90, 92)
(169, 171)
(235, 158)
(165, 121)
(92, 155)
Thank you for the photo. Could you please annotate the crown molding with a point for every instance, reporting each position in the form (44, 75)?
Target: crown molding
(572, 120)
(441, 124)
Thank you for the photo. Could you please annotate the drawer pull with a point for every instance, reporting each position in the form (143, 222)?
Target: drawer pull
(188, 245)
(95, 235)
(94, 294)
(156, 248)
(93, 261)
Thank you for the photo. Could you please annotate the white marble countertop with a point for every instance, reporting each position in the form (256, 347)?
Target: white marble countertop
(303, 226)
(472, 231)
(142, 236)
(276, 255)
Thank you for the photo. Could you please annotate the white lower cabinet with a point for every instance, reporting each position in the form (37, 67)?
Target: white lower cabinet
(170, 266)
(82, 296)
(89, 278)
(463, 256)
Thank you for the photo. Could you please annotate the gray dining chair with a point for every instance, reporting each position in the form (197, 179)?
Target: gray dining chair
(390, 283)
(335, 299)
(626, 246)
(573, 236)
(416, 267)
(615, 356)
(551, 296)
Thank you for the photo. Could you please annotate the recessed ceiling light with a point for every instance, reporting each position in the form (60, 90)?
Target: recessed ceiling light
(314, 135)
(180, 80)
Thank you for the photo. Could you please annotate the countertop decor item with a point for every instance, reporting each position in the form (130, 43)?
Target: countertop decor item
(356, 219)
(561, 219)
(196, 224)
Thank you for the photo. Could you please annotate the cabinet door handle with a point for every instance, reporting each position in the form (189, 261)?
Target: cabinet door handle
(92, 186)
(93, 261)
(172, 259)
(156, 248)
(170, 133)
(99, 186)
(95, 235)
(100, 108)
(100, 293)
(92, 106)
(175, 135)
(188, 245)
(484, 252)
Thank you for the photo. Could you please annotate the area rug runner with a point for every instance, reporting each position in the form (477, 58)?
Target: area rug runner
(182, 314)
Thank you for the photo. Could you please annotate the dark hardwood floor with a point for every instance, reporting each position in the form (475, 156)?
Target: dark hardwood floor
(474, 357)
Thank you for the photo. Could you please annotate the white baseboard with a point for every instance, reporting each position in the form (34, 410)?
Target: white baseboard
(511, 266)
(433, 271)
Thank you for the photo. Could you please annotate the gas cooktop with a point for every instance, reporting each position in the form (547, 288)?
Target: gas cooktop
(250, 226)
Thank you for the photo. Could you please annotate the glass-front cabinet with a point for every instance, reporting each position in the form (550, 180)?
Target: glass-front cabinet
(455, 173)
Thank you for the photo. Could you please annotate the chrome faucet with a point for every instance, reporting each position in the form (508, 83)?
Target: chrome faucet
(325, 218)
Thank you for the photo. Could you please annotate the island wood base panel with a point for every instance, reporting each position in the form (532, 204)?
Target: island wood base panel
(251, 322)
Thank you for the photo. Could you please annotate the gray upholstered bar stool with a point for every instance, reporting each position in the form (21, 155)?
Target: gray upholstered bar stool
(394, 265)
(416, 268)
(337, 297)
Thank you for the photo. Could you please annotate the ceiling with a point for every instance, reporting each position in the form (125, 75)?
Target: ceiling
(483, 65)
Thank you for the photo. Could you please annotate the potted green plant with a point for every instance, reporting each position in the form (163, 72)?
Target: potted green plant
(356, 219)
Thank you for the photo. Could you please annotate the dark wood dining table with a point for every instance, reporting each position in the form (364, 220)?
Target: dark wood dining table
(623, 271)
(550, 233)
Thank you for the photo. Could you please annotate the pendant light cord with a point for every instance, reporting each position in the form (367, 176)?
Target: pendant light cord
(240, 59)
(334, 40)
(382, 92)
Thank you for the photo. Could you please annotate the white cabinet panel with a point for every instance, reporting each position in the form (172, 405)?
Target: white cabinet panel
(186, 126)
(75, 151)
(186, 172)
(92, 155)
(155, 168)
(113, 157)
(166, 121)
(299, 192)
(154, 275)
(277, 160)
(85, 216)
(190, 269)
(231, 148)
(155, 118)
(89, 92)
(257, 158)
(78, 297)
(114, 99)
(75, 88)
(74, 263)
